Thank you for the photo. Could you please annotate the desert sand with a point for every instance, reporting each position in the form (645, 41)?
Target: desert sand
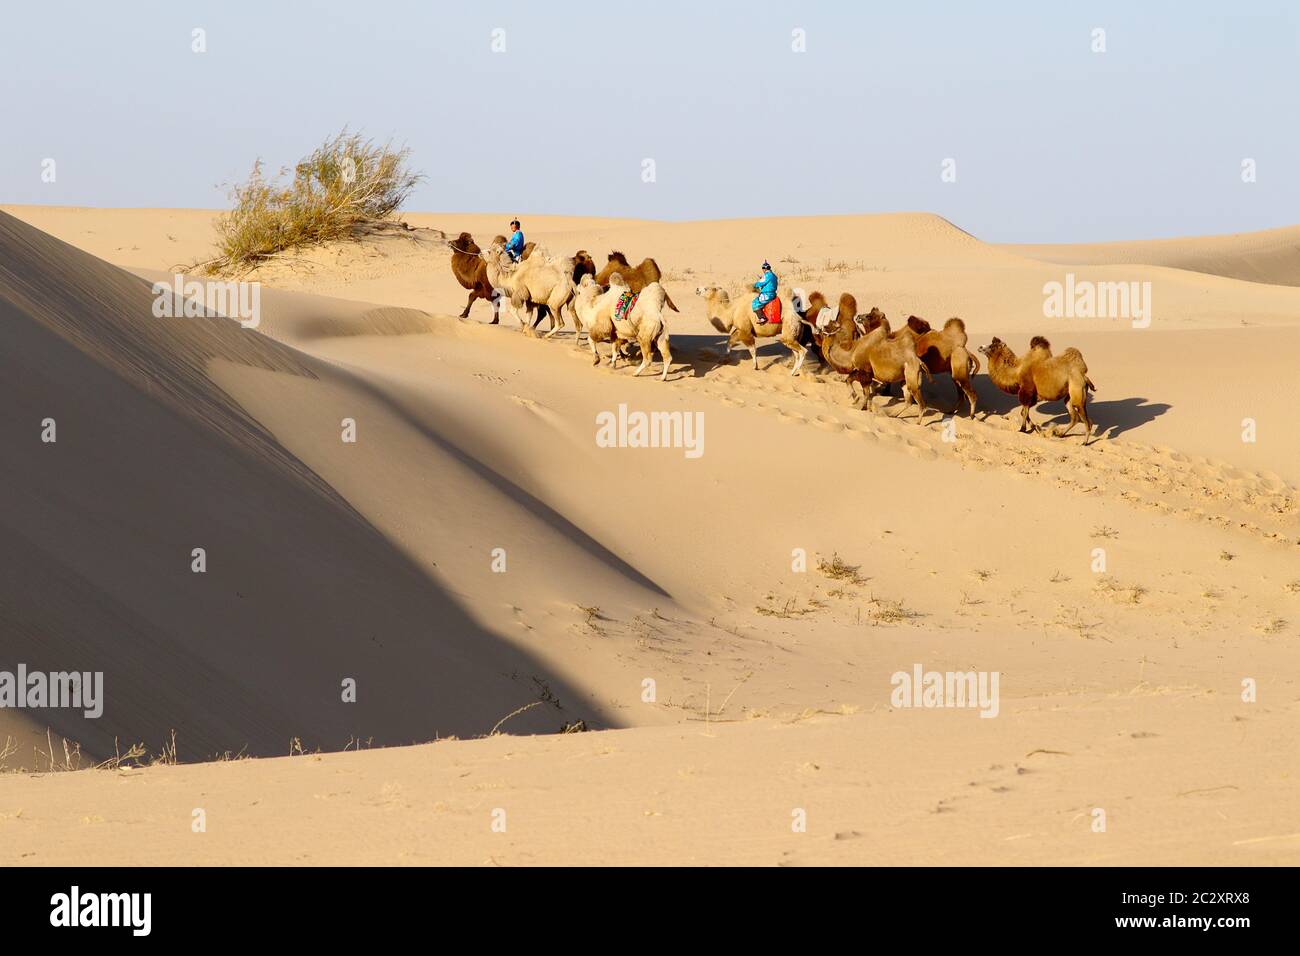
(1121, 690)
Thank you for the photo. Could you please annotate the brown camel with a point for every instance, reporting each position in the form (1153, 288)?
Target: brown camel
(471, 272)
(583, 265)
(874, 353)
(736, 319)
(818, 317)
(1043, 377)
(945, 352)
(637, 278)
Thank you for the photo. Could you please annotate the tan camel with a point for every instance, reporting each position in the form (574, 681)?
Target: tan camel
(593, 308)
(643, 324)
(1043, 377)
(637, 277)
(533, 282)
(736, 319)
(944, 351)
(873, 353)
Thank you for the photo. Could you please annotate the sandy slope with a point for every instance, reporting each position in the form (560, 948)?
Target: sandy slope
(1271, 256)
(628, 564)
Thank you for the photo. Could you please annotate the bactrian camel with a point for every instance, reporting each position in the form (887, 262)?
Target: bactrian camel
(735, 318)
(638, 277)
(643, 323)
(1043, 377)
(534, 282)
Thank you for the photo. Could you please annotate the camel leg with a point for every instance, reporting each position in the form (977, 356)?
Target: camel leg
(472, 296)
(753, 352)
(1087, 422)
(557, 320)
(800, 354)
(647, 349)
(1027, 423)
(665, 353)
(868, 392)
(914, 386)
(1060, 432)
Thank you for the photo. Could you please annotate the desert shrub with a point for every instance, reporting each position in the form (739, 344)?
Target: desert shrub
(344, 184)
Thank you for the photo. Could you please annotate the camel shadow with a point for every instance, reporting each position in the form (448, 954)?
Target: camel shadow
(1109, 419)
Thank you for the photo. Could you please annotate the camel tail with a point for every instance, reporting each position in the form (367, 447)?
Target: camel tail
(926, 372)
(973, 363)
(1088, 384)
(668, 300)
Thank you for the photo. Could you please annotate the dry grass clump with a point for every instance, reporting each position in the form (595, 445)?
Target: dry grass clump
(837, 570)
(1120, 593)
(344, 184)
(889, 611)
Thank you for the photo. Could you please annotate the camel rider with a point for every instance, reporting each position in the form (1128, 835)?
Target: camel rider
(766, 289)
(515, 247)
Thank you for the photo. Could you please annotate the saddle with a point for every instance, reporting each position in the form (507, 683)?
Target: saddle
(772, 312)
(623, 308)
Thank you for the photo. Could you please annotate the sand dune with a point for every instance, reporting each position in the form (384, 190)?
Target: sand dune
(1271, 256)
(1120, 689)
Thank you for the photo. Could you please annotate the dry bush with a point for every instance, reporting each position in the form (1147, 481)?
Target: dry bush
(344, 184)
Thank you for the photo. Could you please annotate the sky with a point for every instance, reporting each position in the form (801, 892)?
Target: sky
(1000, 116)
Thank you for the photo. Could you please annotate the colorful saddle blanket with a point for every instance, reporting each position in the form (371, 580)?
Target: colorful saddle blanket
(624, 306)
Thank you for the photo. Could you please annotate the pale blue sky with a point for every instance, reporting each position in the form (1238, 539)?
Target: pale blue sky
(1052, 141)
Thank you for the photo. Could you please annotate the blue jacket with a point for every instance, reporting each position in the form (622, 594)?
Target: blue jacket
(766, 288)
(516, 245)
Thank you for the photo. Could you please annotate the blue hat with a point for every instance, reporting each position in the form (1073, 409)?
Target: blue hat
(767, 265)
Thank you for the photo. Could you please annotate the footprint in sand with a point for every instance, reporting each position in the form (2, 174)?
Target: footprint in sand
(791, 418)
(826, 423)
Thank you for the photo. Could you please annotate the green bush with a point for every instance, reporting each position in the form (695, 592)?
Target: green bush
(345, 183)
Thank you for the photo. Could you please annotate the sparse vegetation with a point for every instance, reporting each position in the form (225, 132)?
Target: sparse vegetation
(1105, 531)
(1120, 593)
(342, 186)
(837, 570)
(888, 611)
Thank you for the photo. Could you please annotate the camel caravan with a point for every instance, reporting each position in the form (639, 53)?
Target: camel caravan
(625, 307)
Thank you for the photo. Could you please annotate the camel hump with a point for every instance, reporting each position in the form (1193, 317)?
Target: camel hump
(918, 324)
(848, 305)
(618, 257)
(1038, 342)
(1073, 354)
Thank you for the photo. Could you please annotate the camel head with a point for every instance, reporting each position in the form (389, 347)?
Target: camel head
(872, 320)
(711, 293)
(996, 347)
